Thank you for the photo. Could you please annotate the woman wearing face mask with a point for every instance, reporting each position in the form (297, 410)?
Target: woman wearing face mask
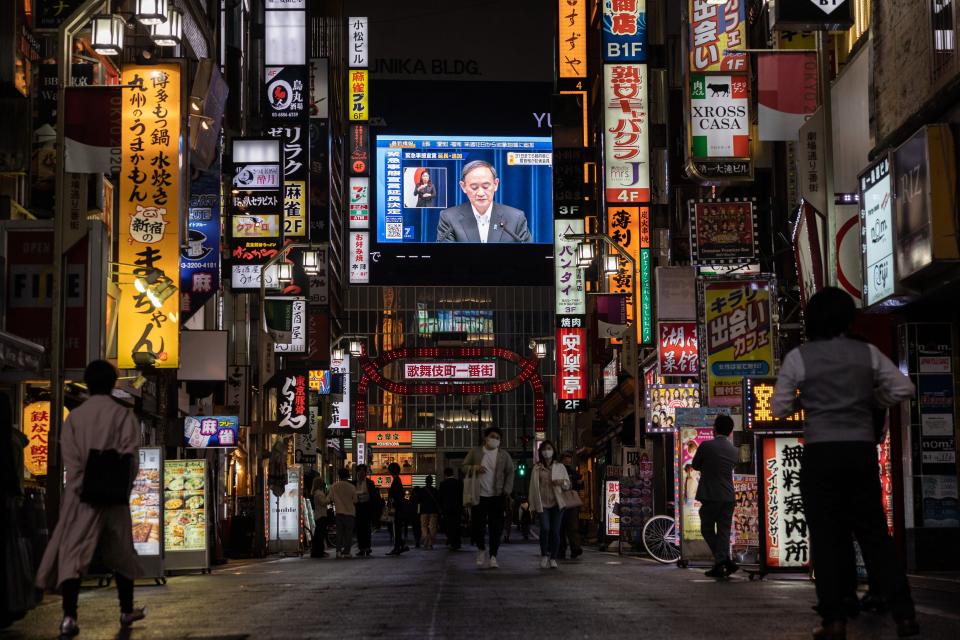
(547, 483)
(489, 472)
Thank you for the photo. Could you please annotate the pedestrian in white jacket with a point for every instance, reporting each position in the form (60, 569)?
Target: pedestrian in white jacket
(547, 483)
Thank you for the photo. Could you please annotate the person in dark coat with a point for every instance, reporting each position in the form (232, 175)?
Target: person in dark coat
(369, 509)
(451, 503)
(395, 505)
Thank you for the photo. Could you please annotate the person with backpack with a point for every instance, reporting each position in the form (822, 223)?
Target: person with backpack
(100, 445)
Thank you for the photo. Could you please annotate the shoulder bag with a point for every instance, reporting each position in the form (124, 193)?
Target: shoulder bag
(107, 478)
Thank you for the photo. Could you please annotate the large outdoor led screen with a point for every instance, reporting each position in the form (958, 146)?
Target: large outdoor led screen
(464, 189)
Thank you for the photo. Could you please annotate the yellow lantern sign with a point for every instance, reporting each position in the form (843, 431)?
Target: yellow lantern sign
(36, 426)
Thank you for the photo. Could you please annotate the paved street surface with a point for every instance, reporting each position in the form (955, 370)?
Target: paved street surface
(441, 594)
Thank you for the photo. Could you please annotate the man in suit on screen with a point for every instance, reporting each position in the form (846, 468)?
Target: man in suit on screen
(481, 219)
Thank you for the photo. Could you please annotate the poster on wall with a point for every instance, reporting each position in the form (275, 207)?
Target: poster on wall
(746, 521)
(145, 503)
(689, 440)
(626, 144)
(663, 400)
(717, 31)
(149, 228)
(723, 232)
(784, 526)
(720, 116)
(184, 508)
(736, 337)
(611, 498)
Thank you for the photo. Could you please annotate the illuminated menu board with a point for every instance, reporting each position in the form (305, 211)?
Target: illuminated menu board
(758, 408)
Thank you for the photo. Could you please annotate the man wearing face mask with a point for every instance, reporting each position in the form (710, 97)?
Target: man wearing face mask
(492, 468)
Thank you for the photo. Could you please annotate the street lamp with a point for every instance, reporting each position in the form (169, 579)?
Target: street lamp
(356, 348)
(167, 34)
(585, 254)
(106, 34)
(611, 264)
(337, 353)
(311, 262)
(150, 12)
(285, 273)
(541, 350)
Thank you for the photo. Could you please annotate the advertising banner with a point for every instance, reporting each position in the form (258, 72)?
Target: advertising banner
(570, 290)
(876, 222)
(720, 116)
(626, 134)
(784, 526)
(359, 257)
(289, 329)
(663, 402)
(286, 93)
(145, 499)
(689, 440)
(200, 255)
(624, 30)
(35, 424)
(184, 508)
(745, 532)
(149, 228)
(717, 31)
(786, 93)
(211, 432)
(678, 349)
(629, 227)
(571, 364)
(572, 38)
(389, 439)
(359, 150)
(340, 409)
(359, 205)
(358, 95)
(611, 495)
(723, 232)
(284, 517)
(736, 338)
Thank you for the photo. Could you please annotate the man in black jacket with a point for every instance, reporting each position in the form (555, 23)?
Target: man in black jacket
(451, 502)
(369, 509)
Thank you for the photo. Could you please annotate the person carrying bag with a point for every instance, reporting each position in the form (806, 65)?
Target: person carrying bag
(100, 446)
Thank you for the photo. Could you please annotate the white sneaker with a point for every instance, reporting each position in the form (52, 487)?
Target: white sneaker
(544, 562)
(553, 564)
(481, 558)
(493, 563)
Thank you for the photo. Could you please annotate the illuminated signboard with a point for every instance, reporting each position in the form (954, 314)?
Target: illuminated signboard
(383, 481)
(450, 370)
(357, 48)
(36, 426)
(210, 432)
(358, 94)
(626, 153)
(389, 439)
(876, 224)
(629, 227)
(758, 408)
(663, 400)
(320, 381)
(149, 229)
(572, 38)
(571, 364)
(717, 32)
(624, 30)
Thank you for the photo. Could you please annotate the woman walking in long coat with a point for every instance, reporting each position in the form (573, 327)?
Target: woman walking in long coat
(83, 529)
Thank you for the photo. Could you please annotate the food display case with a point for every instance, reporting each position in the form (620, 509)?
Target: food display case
(185, 515)
(146, 511)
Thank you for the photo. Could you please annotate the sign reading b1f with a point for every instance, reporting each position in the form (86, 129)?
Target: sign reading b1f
(624, 30)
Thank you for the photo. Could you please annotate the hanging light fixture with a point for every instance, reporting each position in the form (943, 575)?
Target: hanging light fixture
(611, 264)
(167, 34)
(285, 272)
(311, 262)
(150, 12)
(337, 354)
(106, 34)
(584, 254)
(356, 348)
(541, 350)
(143, 282)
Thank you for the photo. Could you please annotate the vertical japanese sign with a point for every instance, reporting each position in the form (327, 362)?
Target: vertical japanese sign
(570, 292)
(359, 257)
(785, 536)
(679, 354)
(624, 30)
(359, 203)
(736, 339)
(876, 222)
(626, 153)
(746, 533)
(357, 50)
(291, 388)
(36, 426)
(340, 409)
(200, 254)
(359, 150)
(358, 99)
(629, 227)
(571, 363)
(287, 95)
(717, 31)
(572, 38)
(149, 233)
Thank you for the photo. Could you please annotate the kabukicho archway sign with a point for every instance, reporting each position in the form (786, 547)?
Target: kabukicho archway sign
(372, 372)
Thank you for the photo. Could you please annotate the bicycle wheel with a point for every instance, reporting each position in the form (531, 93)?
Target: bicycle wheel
(660, 539)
